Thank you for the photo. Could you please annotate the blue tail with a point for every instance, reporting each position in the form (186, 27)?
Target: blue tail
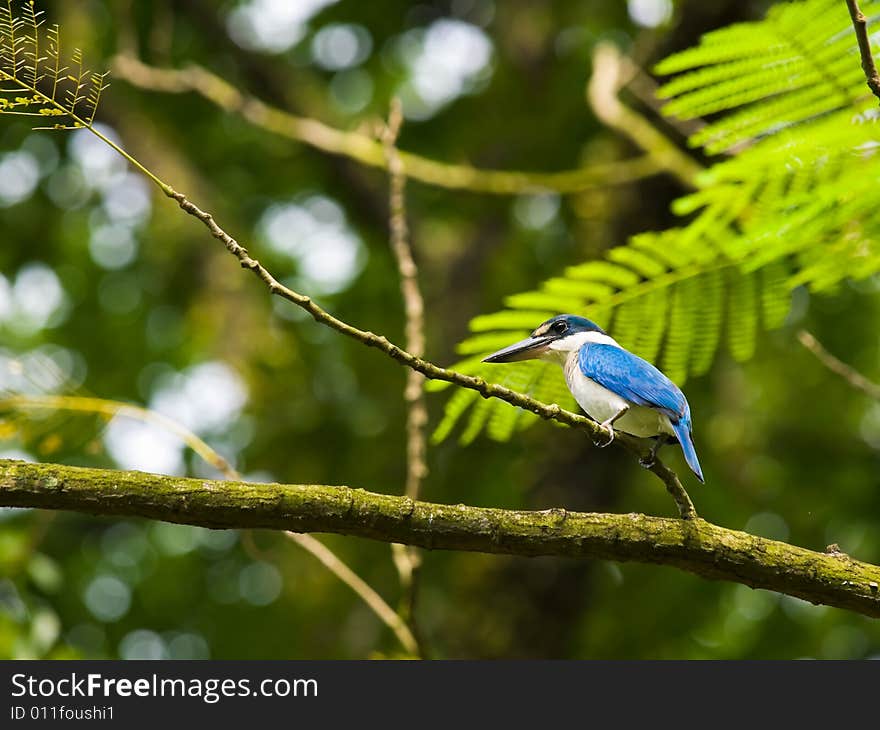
(683, 432)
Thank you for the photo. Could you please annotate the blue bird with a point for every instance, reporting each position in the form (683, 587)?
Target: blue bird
(614, 387)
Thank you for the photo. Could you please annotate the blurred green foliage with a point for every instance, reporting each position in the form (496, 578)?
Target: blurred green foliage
(107, 289)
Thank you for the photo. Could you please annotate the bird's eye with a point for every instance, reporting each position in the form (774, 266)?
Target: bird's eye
(559, 327)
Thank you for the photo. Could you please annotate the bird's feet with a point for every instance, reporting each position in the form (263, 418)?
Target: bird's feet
(649, 459)
(609, 430)
(608, 427)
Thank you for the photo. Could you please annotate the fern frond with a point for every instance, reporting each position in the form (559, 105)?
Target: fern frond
(682, 316)
(32, 21)
(34, 81)
(652, 328)
(775, 293)
(799, 63)
(708, 321)
(793, 204)
(455, 408)
(743, 314)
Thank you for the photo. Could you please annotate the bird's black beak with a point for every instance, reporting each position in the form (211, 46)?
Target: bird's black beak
(528, 349)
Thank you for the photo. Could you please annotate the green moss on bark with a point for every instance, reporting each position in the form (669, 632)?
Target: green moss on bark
(693, 545)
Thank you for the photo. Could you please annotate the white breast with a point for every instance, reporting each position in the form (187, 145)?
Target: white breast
(600, 404)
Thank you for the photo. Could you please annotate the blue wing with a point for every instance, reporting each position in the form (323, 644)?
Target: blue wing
(633, 379)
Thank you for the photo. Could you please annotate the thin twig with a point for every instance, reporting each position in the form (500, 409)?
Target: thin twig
(860, 25)
(368, 151)
(428, 369)
(113, 408)
(847, 372)
(364, 591)
(407, 559)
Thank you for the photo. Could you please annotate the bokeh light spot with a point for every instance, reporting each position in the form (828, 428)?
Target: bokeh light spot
(272, 26)
(143, 644)
(108, 598)
(650, 13)
(19, 175)
(259, 583)
(341, 45)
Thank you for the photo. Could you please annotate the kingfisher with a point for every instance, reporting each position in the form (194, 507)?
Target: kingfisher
(617, 389)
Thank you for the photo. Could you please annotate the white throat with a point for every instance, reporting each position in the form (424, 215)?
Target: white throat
(559, 350)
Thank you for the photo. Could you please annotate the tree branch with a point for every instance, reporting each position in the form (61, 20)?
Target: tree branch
(363, 589)
(369, 151)
(838, 367)
(407, 559)
(413, 304)
(860, 25)
(112, 408)
(695, 546)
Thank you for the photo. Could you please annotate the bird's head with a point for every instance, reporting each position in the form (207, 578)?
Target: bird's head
(553, 340)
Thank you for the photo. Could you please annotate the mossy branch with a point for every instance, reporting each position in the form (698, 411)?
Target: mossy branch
(696, 546)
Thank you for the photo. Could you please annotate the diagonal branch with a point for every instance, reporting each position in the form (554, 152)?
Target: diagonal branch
(860, 25)
(428, 369)
(112, 408)
(696, 546)
(837, 366)
(364, 590)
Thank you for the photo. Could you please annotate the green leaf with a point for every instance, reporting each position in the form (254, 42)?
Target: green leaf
(31, 63)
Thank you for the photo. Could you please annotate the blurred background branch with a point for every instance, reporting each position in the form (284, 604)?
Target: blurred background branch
(847, 372)
(407, 559)
(110, 409)
(362, 589)
(368, 151)
(612, 71)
